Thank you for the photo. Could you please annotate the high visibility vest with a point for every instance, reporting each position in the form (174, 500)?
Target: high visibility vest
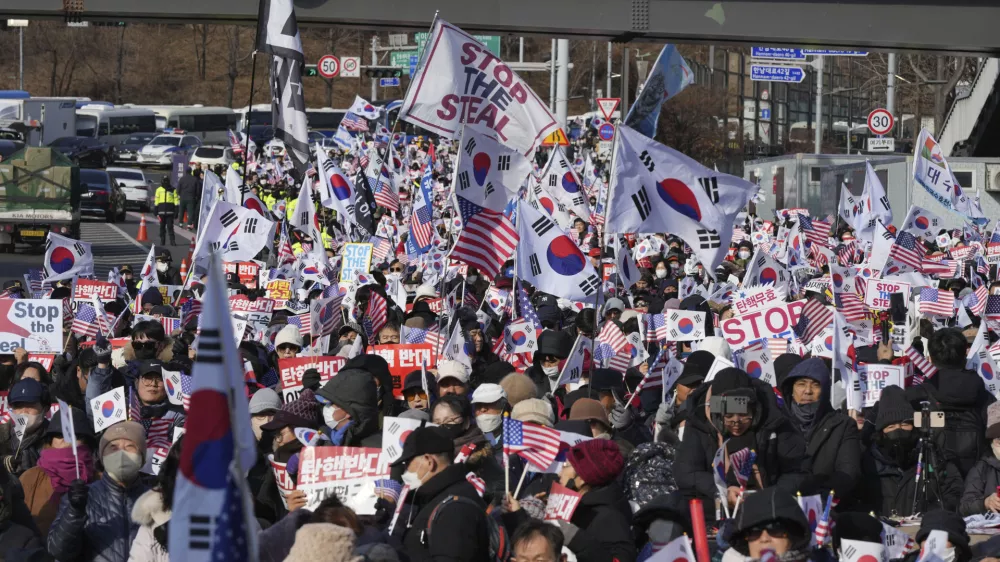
(269, 200)
(290, 208)
(327, 241)
(164, 197)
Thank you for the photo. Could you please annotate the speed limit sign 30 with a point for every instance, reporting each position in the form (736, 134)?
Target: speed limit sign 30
(328, 66)
(880, 122)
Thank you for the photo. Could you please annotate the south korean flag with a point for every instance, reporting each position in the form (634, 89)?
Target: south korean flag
(550, 260)
(560, 181)
(233, 232)
(488, 173)
(684, 325)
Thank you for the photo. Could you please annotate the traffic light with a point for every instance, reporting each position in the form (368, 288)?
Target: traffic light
(310, 70)
(383, 72)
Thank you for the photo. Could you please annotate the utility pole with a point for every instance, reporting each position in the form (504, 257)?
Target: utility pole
(374, 63)
(593, 74)
(562, 81)
(819, 104)
(890, 86)
(552, 77)
(607, 93)
(625, 77)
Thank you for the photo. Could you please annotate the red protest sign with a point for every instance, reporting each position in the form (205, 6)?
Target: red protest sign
(434, 304)
(282, 478)
(240, 303)
(402, 359)
(247, 271)
(772, 322)
(87, 288)
(116, 343)
(291, 371)
(607, 270)
(45, 359)
(561, 504)
(340, 471)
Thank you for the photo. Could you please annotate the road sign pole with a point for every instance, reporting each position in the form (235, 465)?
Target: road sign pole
(819, 104)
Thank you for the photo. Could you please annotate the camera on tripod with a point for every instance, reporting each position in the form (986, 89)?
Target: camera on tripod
(926, 420)
(725, 405)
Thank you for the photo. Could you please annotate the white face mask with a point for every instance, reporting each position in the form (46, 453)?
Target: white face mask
(161, 266)
(472, 279)
(744, 255)
(661, 273)
(328, 419)
(412, 479)
(949, 555)
(675, 266)
(123, 466)
(551, 371)
(31, 422)
(488, 422)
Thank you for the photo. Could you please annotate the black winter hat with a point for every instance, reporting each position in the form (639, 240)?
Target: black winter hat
(949, 522)
(892, 408)
(856, 526)
(768, 505)
(557, 343)
(606, 379)
(696, 368)
(353, 390)
(496, 371)
(784, 365)
(728, 379)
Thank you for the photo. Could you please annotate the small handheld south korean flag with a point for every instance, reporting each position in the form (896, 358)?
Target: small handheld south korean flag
(394, 434)
(861, 551)
(684, 325)
(69, 433)
(172, 383)
(108, 408)
(308, 437)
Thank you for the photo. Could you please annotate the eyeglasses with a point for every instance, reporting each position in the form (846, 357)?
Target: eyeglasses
(414, 394)
(774, 529)
(395, 270)
(144, 345)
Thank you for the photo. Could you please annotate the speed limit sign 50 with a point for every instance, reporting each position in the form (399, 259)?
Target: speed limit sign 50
(880, 122)
(328, 66)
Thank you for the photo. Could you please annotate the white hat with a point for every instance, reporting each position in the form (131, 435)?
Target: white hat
(453, 369)
(425, 292)
(488, 393)
(289, 334)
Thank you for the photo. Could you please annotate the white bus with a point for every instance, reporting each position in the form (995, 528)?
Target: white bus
(207, 123)
(113, 124)
(260, 114)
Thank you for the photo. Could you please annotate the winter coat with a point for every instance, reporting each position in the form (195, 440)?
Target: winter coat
(833, 443)
(460, 529)
(100, 532)
(153, 517)
(172, 276)
(963, 397)
(354, 390)
(27, 452)
(888, 490)
(604, 519)
(483, 463)
(781, 450)
(38, 496)
(165, 201)
(649, 473)
(276, 541)
(17, 540)
(980, 483)
(188, 187)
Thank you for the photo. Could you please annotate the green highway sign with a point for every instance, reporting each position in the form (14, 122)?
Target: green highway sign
(492, 42)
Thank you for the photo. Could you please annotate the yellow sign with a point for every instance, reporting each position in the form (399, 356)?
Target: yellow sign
(558, 137)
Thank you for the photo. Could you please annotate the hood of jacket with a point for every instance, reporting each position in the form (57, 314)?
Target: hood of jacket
(767, 418)
(166, 355)
(770, 504)
(379, 368)
(817, 370)
(955, 387)
(149, 510)
(354, 391)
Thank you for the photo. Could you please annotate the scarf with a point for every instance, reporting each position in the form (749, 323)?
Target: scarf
(60, 465)
(804, 415)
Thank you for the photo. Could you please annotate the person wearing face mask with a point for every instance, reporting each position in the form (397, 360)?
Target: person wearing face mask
(600, 528)
(961, 394)
(263, 404)
(441, 490)
(744, 251)
(889, 467)
(593, 413)
(489, 402)
(761, 426)
(981, 483)
(659, 521)
(553, 348)
(453, 413)
(350, 409)
(305, 411)
(45, 484)
(93, 522)
(957, 548)
(833, 442)
(30, 400)
(771, 520)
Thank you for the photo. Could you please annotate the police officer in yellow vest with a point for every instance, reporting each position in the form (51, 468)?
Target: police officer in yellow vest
(269, 199)
(290, 204)
(165, 202)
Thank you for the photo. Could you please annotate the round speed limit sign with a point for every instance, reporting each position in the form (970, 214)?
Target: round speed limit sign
(880, 122)
(328, 66)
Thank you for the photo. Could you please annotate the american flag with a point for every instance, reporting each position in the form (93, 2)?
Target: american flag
(380, 249)
(823, 526)
(354, 122)
(430, 336)
(478, 483)
(850, 305)
(229, 541)
(993, 306)
(976, 301)
(385, 195)
(422, 219)
(487, 240)
(652, 379)
(742, 462)
(815, 318)
(612, 335)
(301, 321)
(158, 430)
(817, 232)
(527, 311)
(190, 308)
(536, 444)
(234, 142)
(656, 328)
(85, 322)
(285, 253)
(777, 346)
(921, 363)
(847, 253)
(907, 250)
(376, 315)
(935, 301)
(982, 267)
(945, 269)
(170, 324)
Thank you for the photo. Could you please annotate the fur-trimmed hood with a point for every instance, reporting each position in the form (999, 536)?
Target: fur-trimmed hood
(149, 510)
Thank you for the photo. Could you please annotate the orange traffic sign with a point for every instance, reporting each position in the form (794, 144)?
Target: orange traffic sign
(557, 137)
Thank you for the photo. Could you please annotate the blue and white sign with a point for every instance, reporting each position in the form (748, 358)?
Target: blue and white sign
(388, 82)
(765, 114)
(767, 72)
(777, 53)
(834, 53)
(414, 60)
(606, 132)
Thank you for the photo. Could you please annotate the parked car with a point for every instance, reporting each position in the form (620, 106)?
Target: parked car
(8, 147)
(213, 155)
(161, 149)
(128, 150)
(135, 185)
(101, 196)
(84, 151)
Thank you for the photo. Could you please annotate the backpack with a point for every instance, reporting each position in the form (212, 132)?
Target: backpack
(499, 541)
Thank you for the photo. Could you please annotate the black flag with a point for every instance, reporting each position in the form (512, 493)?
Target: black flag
(278, 31)
(364, 203)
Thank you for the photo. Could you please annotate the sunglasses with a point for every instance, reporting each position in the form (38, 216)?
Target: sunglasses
(143, 344)
(396, 269)
(414, 394)
(774, 529)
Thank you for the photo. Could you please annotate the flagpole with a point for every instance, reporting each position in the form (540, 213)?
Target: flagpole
(246, 121)
(604, 243)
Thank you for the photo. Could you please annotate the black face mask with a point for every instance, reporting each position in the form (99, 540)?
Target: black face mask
(572, 485)
(454, 430)
(899, 445)
(144, 350)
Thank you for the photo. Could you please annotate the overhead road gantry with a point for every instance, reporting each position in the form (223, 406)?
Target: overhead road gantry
(957, 26)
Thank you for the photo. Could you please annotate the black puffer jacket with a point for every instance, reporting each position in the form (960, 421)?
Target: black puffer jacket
(888, 489)
(833, 443)
(459, 531)
(963, 397)
(27, 452)
(605, 520)
(103, 531)
(980, 483)
(377, 366)
(781, 450)
(354, 390)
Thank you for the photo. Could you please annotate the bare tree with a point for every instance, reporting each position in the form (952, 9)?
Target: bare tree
(201, 49)
(233, 61)
(941, 87)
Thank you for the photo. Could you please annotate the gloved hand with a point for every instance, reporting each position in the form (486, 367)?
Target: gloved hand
(180, 348)
(78, 492)
(102, 347)
(568, 529)
(10, 462)
(621, 416)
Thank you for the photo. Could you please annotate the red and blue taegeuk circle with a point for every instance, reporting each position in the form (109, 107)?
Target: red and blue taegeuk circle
(341, 189)
(107, 408)
(922, 222)
(754, 369)
(685, 325)
(61, 260)
(768, 275)
(208, 444)
(480, 167)
(564, 257)
(679, 197)
(569, 183)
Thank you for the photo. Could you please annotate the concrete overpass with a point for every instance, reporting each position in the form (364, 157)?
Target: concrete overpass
(958, 26)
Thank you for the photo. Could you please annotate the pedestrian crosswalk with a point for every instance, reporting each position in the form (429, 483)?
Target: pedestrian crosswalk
(112, 247)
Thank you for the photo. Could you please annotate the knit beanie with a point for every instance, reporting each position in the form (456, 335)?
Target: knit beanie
(784, 365)
(518, 387)
(322, 542)
(130, 430)
(993, 421)
(951, 523)
(597, 461)
(892, 408)
(534, 410)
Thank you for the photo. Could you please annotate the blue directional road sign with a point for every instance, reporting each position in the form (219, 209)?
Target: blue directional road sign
(835, 53)
(768, 72)
(413, 64)
(387, 82)
(765, 114)
(606, 132)
(776, 53)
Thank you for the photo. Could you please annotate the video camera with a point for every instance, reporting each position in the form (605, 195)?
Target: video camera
(724, 405)
(926, 420)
